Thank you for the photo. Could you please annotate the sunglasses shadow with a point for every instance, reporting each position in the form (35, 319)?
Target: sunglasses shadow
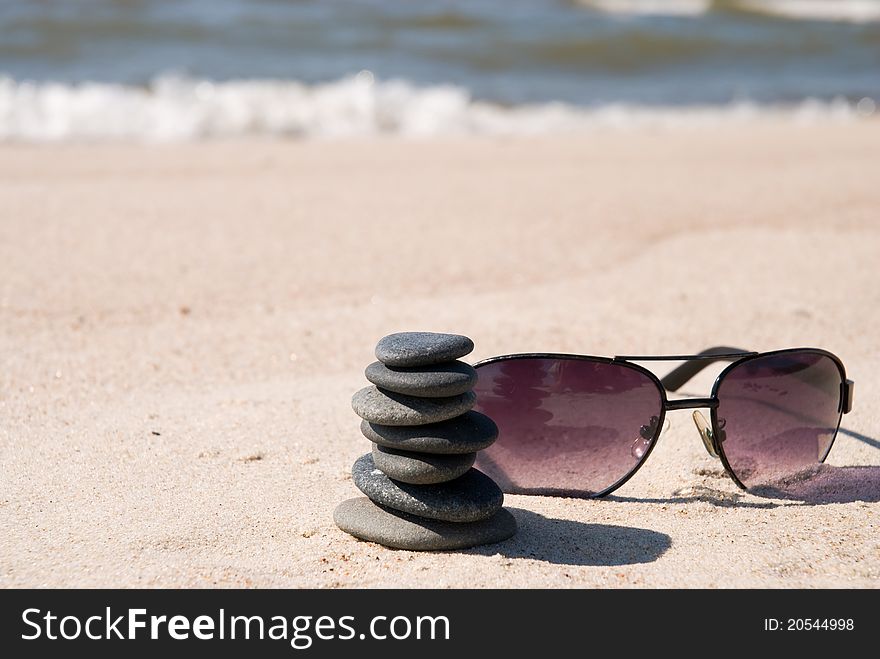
(698, 494)
(830, 484)
(826, 485)
(870, 441)
(565, 542)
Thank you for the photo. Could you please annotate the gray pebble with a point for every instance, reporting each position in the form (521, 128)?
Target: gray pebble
(447, 379)
(470, 498)
(467, 433)
(421, 348)
(368, 521)
(421, 468)
(392, 409)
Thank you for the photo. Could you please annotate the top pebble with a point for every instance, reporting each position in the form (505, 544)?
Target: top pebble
(408, 349)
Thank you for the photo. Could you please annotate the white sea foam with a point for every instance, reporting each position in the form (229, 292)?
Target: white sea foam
(852, 11)
(651, 7)
(177, 108)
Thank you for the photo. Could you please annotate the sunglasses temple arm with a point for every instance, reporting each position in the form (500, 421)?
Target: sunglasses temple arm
(677, 377)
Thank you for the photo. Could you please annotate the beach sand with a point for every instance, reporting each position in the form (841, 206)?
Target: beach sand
(183, 327)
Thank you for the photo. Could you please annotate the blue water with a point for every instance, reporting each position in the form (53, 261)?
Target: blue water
(505, 51)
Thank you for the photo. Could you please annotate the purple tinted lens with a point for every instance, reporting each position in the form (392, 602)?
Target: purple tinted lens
(777, 416)
(566, 426)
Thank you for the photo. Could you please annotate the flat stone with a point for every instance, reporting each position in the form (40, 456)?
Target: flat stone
(421, 468)
(409, 349)
(469, 498)
(467, 433)
(447, 379)
(393, 409)
(374, 523)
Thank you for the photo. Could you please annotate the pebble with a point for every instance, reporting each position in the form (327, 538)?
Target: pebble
(421, 468)
(409, 349)
(374, 523)
(393, 409)
(467, 433)
(470, 498)
(448, 379)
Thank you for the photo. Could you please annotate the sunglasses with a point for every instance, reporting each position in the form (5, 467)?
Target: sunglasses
(573, 425)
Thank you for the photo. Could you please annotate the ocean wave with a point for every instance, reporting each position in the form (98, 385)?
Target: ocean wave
(651, 7)
(174, 108)
(848, 11)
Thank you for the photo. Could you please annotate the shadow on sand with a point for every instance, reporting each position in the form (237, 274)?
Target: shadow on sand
(826, 484)
(565, 542)
(870, 441)
(830, 484)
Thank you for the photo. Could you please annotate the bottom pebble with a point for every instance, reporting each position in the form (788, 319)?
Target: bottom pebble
(369, 521)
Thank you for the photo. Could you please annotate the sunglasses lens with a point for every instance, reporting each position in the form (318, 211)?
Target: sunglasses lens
(566, 426)
(777, 416)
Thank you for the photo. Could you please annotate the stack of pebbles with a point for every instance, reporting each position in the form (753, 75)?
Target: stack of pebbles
(422, 490)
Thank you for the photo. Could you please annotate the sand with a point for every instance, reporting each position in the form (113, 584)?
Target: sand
(182, 327)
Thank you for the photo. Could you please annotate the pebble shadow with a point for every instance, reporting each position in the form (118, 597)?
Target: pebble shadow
(565, 542)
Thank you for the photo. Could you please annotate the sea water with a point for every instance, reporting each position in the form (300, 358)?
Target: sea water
(189, 69)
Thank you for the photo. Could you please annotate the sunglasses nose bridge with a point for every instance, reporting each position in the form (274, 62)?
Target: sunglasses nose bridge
(705, 431)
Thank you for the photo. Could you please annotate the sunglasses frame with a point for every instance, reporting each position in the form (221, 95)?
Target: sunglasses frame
(674, 380)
